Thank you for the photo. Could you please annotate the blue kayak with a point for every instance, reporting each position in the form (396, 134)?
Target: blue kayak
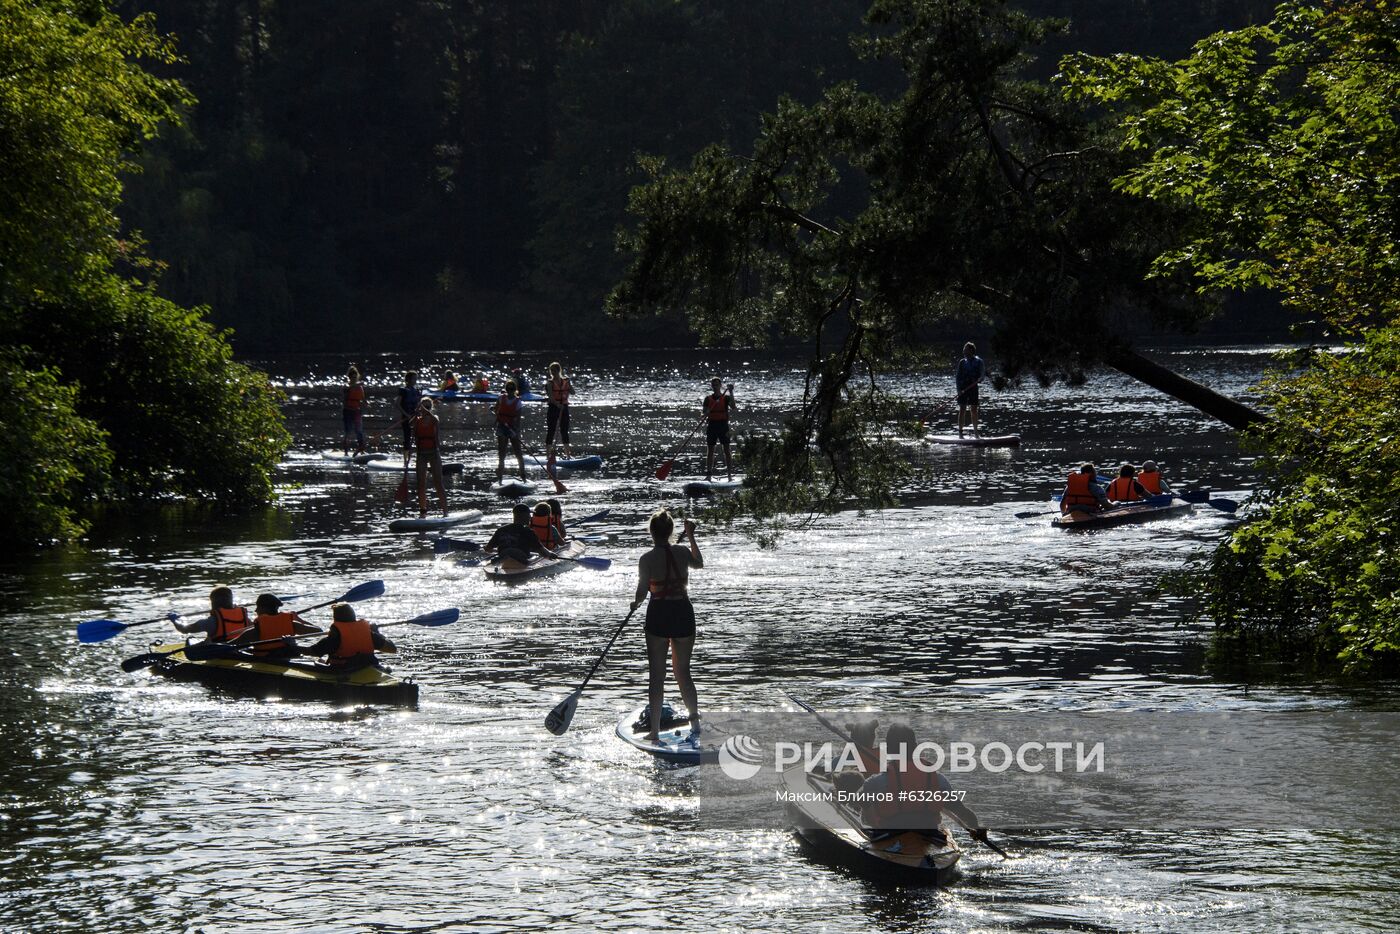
(458, 395)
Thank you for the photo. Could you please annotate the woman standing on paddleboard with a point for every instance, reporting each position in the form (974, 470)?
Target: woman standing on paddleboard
(352, 413)
(428, 442)
(663, 572)
(557, 418)
(508, 411)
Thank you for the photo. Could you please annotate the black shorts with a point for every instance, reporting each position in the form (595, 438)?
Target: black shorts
(670, 619)
(717, 433)
(557, 419)
(504, 433)
(968, 396)
(409, 439)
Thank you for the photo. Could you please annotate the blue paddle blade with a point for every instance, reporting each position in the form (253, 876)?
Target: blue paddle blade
(99, 630)
(444, 545)
(366, 591)
(598, 564)
(603, 514)
(440, 618)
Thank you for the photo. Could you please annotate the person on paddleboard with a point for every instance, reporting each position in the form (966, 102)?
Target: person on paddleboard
(918, 796)
(967, 378)
(409, 395)
(271, 623)
(1151, 479)
(716, 408)
(351, 642)
(352, 414)
(1125, 488)
(225, 621)
(428, 443)
(560, 388)
(663, 573)
(517, 541)
(521, 382)
(1082, 492)
(509, 408)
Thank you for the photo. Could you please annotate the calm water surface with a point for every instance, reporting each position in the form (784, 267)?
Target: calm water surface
(130, 803)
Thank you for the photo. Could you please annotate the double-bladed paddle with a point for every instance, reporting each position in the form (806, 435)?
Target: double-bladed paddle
(558, 720)
(669, 464)
(100, 630)
(1162, 500)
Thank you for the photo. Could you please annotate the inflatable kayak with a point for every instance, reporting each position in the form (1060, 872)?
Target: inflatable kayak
(831, 831)
(509, 571)
(416, 523)
(710, 487)
(459, 395)
(676, 744)
(287, 679)
(514, 487)
(977, 441)
(1123, 515)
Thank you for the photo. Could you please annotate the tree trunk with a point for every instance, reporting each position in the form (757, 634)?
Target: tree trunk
(1235, 414)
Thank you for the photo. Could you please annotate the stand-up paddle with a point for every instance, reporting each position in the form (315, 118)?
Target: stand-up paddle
(665, 469)
(100, 630)
(550, 472)
(563, 713)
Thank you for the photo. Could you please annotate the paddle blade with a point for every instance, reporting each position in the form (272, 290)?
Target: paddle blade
(401, 494)
(443, 545)
(1194, 496)
(137, 662)
(665, 469)
(558, 720)
(366, 591)
(1224, 505)
(597, 564)
(440, 618)
(596, 517)
(1031, 515)
(99, 630)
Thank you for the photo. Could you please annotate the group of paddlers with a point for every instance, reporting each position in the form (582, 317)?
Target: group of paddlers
(269, 634)
(1087, 492)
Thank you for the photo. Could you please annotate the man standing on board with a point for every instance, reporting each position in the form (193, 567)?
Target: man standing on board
(969, 374)
(717, 406)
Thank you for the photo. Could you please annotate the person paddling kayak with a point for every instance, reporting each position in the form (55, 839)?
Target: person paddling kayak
(967, 378)
(1151, 479)
(517, 541)
(663, 573)
(351, 642)
(429, 447)
(352, 414)
(449, 383)
(508, 411)
(918, 797)
(556, 515)
(557, 417)
(225, 621)
(271, 623)
(716, 408)
(1082, 492)
(1125, 488)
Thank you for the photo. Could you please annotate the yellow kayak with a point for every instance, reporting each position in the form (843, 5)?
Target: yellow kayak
(296, 679)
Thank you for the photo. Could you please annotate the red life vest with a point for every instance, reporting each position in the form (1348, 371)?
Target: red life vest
(229, 623)
(717, 407)
(356, 638)
(508, 411)
(425, 431)
(449, 384)
(922, 812)
(1079, 492)
(273, 626)
(559, 391)
(1151, 481)
(354, 396)
(1122, 490)
(543, 527)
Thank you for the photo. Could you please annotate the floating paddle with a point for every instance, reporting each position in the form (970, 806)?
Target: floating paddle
(100, 630)
(977, 834)
(665, 469)
(558, 720)
(438, 618)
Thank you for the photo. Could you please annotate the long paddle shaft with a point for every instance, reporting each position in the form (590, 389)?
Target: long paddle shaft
(558, 720)
(559, 487)
(975, 833)
(665, 469)
(957, 400)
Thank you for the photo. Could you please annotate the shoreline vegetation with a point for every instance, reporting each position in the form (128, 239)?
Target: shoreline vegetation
(933, 172)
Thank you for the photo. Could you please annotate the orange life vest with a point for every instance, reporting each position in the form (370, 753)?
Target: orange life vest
(449, 384)
(481, 385)
(559, 391)
(355, 639)
(229, 623)
(717, 407)
(543, 527)
(508, 411)
(1079, 492)
(922, 812)
(1122, 490)
(273, 626)
(354, 396)
(425, 431)
(1151, 481)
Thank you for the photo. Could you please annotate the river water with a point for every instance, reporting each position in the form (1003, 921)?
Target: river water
(131, 803)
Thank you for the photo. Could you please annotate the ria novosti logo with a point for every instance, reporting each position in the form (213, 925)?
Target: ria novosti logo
(741, 757)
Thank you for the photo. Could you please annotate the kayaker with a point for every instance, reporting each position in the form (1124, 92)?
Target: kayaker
(1082, 492)
(449, 383)
(352, 412)
(1151, 479)
(517, 540)
(508, 412)
(716, 408)
(556, 514)
(557, 417)
(351, 642)
(918, 797)
(864, 735)
(663, 573)
(481, 383)
(967, 378)
(409, 396)
(1125, 487)
(428, 444)
(521, 382)
(225, 621)
(542, 524)
(270, 623)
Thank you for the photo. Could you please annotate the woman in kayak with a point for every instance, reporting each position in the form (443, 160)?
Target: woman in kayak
(270, 623)
(1082, 492)
(663, 572)
(448, 384)
(919, 797)
(427, 441)
(351, 642)
(1125, 488)
(560, 388)
(225, 621)
(556, 515)
(517, 541)
(508, 411)
(352, 414)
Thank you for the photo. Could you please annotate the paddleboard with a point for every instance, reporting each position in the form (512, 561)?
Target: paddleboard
(416, 524)
(341, 458)
(676, 744)
(396, 465)
(975, 441)
(514, 487)
(457, 395)
(710, 487)
(587, 462)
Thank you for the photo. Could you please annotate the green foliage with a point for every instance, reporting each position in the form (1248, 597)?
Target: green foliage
(58, 456)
